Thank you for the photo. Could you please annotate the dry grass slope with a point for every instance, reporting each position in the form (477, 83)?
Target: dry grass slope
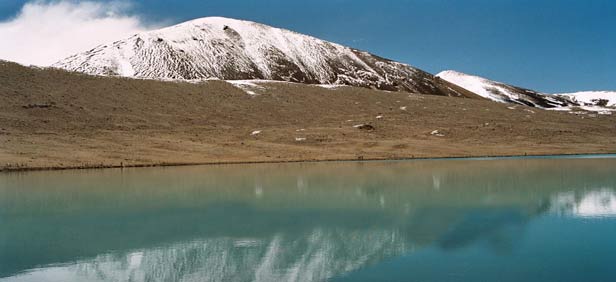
(56, 119)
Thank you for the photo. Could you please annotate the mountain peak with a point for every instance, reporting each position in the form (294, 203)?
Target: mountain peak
(218, 22)
(451, 73)
(232, 49)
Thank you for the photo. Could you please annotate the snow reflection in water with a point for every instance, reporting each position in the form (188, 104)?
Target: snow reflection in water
(596, 203)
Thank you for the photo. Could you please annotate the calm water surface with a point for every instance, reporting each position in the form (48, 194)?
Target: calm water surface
(432, 220)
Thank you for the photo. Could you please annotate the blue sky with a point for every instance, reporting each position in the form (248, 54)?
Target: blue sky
(551, 46)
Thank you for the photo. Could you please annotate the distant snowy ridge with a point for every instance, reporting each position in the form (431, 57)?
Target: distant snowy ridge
(232, 49)
(504, 93)
(597, 98)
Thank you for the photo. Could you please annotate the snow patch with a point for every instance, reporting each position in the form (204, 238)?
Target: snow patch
(248, 86)
(330, 86)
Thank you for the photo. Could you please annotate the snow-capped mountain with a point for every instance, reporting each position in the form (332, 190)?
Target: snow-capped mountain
(504, 93)
(230, 49)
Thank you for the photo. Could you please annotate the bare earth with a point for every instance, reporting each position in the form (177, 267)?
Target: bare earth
(54, 119)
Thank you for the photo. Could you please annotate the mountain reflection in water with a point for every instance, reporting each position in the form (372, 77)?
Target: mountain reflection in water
(281, 222)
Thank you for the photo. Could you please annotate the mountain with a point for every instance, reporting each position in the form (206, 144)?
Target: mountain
(230, 49)
(504, 93)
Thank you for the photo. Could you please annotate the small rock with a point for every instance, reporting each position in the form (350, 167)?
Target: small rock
(39, 106)
(256, 132)
(436, 133)
(364, 127)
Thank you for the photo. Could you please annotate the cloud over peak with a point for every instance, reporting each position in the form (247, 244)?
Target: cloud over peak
(44, 32)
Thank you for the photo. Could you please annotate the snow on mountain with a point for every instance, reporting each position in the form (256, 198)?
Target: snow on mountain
(230, 49)
(504, 93)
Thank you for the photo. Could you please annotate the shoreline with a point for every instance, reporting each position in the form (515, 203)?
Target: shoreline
(171, 164)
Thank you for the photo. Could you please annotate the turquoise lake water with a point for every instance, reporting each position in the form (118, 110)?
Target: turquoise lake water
(519, 219)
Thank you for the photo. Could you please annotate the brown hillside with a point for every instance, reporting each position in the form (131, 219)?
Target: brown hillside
(52, 118)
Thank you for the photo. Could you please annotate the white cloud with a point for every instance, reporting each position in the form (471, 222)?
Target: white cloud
(45, 32)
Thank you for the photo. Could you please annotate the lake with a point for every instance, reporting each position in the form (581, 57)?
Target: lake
(517, 219)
